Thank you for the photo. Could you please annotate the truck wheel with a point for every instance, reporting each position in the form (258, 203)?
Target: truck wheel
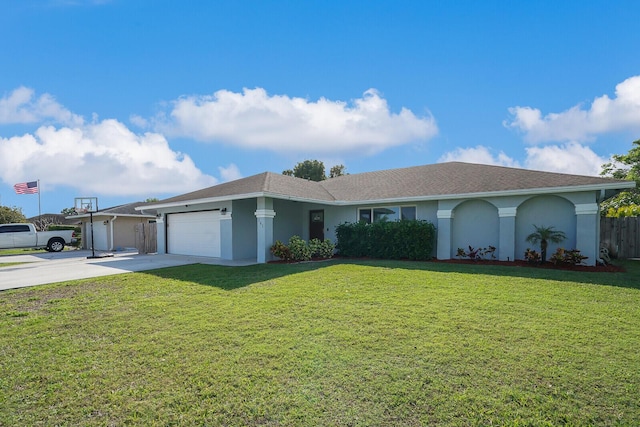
(56, 245)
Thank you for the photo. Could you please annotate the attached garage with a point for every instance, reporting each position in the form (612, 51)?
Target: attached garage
(194, 233)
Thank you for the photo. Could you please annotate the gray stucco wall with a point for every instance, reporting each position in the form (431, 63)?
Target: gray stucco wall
(545, 211)
(245, 232)
(334, 216)
(427, 211)
(288, 221)
(476, 224)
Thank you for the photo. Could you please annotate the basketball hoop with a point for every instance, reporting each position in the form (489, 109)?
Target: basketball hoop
(82, 205)
(85, 205)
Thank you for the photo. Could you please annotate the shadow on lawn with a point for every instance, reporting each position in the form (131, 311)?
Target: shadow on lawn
(230, 278)
(628, 278)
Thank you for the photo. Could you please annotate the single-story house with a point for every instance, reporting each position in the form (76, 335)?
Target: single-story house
(470, 204)
(47, 219)
(114, 228)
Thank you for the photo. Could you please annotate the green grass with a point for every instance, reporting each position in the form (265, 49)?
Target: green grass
(9, 264)
(31, 251)
(337, 343)
(21, 251)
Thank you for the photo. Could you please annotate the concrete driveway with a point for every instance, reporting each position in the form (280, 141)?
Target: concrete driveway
(42, 268)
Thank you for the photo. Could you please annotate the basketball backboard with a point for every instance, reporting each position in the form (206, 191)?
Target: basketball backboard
(85, 205)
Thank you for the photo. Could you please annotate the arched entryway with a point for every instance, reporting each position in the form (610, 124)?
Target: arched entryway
(545, 211)
(475, 223)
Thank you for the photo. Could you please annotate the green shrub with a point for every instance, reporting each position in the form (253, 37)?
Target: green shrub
(321, 249)
(299, 249)
(571, 257)
(315, 246)
(327, 249)
(353, 239)
(281, 250)
(532, 256)
(477, 253)
(389, 240)
(64, 227)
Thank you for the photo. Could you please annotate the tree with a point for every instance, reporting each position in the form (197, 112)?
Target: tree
(337, 170)
(313, 170)
(69, 211)
(623, 166)
(544, 235)
(152, 199)
(11, 215)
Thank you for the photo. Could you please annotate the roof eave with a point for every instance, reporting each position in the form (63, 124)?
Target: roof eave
(202, 201)
(614, 186)
(111, 215)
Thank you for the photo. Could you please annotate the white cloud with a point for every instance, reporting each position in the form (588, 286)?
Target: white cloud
(21, 106)
(254, 119)
(230, 173)
(622, 113)
(101, 158)
(479, 154)
(572, 158)
(139, 121)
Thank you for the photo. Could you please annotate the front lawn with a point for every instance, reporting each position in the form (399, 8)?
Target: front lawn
(333, 343)
(21, 251)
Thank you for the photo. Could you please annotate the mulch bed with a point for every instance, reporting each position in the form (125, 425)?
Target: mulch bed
(517, 263)
(547, 265)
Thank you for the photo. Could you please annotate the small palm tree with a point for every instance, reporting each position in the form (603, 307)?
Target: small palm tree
(544, 235)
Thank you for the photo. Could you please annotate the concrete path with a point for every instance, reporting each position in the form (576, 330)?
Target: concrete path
(42, 268)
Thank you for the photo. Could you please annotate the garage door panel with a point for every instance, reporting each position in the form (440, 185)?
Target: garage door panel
(194, 233)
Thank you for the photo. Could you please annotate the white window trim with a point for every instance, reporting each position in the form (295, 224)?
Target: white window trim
(399, 207)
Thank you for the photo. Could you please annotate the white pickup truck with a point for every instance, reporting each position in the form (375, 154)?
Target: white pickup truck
(26, 236)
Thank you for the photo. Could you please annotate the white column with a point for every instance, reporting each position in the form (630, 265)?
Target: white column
(445, 217)
(587, 231)
(264, 220)
(507, 238)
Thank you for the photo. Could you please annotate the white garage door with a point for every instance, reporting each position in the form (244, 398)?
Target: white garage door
(194, 233)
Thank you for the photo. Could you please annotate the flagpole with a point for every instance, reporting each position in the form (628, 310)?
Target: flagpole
(39, 211)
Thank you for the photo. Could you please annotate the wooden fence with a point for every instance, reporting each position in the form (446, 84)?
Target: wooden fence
(621, 236)
(146, 238)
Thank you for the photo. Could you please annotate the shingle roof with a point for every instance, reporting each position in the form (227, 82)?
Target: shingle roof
(128, 209)
(53, 219)
(449, 179)
(266, 182)
(442, 179)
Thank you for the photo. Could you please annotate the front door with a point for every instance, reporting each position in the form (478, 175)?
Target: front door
(316, 225)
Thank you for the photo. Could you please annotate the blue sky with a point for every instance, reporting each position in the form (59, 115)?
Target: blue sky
(130, 99)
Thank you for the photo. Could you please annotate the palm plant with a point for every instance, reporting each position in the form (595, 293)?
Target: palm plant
(544, 235)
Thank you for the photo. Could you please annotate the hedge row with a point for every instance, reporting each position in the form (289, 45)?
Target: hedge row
(388, 240)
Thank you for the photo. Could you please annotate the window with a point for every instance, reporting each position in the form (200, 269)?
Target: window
(17, 228)
(408, 213)
(365, 215)
(387, 213)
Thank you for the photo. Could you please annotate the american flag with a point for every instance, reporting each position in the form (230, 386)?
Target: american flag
(26, 187)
